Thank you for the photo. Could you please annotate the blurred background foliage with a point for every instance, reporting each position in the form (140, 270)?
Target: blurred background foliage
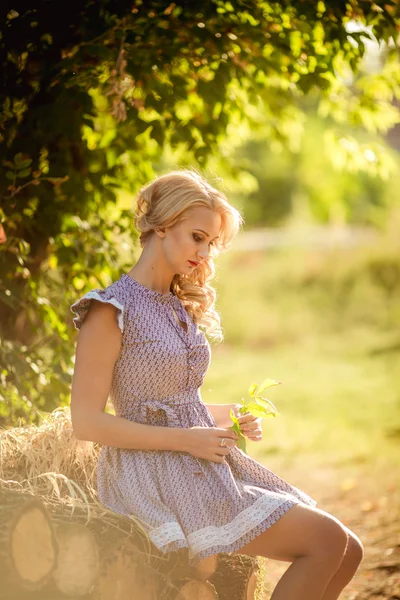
(293, 105)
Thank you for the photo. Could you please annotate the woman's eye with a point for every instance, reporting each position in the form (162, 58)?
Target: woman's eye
(199, 239)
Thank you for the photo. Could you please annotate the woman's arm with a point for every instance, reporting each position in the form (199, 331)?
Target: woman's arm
(99, 344)
(221, 413)
(98, 347)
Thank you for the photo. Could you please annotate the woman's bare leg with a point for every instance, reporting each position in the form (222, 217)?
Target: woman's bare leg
(314, 542)
(345, 573)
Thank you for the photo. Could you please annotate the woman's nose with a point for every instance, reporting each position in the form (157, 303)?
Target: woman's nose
(203, 254)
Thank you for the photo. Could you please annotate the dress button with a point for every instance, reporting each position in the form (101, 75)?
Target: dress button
(191, 368)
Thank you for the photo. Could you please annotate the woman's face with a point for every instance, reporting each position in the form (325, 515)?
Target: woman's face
(188, 243)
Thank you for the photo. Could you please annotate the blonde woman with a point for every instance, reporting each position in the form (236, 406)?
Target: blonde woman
(168, 458)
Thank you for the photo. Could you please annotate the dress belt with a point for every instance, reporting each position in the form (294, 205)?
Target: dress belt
(168, 417)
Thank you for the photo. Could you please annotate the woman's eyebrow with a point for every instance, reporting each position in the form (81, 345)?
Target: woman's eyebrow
(205, 232)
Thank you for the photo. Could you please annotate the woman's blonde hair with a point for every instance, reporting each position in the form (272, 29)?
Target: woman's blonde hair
(161, 203)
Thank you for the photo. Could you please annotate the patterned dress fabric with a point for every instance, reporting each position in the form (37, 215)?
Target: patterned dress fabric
(182, 501)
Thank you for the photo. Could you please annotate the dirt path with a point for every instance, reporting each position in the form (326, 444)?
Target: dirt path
(367, 500)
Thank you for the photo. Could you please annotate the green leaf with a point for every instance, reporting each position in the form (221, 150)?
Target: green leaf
(233, 416)
(24, 173)
(252, 389)
(267, 383)
(24, 164)
(236, 429)
(242, 443)
(260, 411)
(267, 404)
(21, 161)
(10, 175)
(236, 424)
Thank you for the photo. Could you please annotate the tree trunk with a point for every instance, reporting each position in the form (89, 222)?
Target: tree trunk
(197, 590)
(236, 577)
(206, 568)
(28, 548)
(78, 560)
(125, 574)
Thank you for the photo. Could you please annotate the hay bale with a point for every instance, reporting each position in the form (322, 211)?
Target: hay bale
(31, 455)
(47, 460)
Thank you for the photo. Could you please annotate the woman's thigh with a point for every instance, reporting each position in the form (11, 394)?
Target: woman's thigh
(302, 531)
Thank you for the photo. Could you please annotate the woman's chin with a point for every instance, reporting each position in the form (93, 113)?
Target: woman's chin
(185, 270)
(188, 268)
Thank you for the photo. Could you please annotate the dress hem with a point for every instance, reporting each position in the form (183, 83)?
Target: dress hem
(239, 542)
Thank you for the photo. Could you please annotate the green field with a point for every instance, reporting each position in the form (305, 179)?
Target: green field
(295, 317)
(326, 325)
(337, 401)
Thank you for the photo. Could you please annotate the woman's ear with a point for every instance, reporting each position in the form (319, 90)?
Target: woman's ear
(160, 232)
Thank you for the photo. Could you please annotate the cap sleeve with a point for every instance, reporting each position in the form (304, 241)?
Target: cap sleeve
(81, 307)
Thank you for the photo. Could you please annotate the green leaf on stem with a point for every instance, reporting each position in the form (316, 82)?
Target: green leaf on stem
(241, 442)
(252, 389)
(267, 404)
(235, 421)
(24, 173)
(258, 411)
(267, 383)
(22, 161)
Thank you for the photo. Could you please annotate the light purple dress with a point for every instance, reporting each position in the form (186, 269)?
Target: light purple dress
(182, 501)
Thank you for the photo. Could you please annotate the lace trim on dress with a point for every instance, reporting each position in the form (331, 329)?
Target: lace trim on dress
(237, 528)
(80, 308)
(224, 535)
(167, 533)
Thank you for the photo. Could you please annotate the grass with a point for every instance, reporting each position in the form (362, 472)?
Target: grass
(319, 325)
(333, 403)
(327, 327)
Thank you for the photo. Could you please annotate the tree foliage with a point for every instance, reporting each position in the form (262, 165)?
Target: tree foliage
(92, 91)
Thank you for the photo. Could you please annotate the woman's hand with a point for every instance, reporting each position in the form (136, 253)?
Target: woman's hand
(250, 427)
(205, 442)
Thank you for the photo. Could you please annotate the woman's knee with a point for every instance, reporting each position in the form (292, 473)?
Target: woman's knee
(326, 537)
(355, 550)
(302, 532)
(330, 541)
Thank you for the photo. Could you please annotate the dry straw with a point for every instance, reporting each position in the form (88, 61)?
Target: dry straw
(47, 460)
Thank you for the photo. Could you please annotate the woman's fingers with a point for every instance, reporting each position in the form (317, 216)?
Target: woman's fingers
(229, 436)
(228, 444)
(248, 417)
(247, 422)
(256, 438)
(251, 425)
(223, 451)
(255, 431)
(226, 433)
